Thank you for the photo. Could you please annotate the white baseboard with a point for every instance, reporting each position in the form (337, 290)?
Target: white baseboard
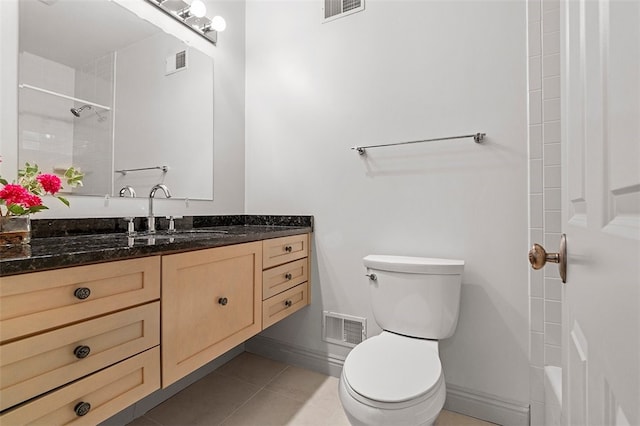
(486, 407)
(464, 401)
(322, 362)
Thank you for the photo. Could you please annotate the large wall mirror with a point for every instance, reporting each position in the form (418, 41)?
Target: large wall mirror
(110, 93)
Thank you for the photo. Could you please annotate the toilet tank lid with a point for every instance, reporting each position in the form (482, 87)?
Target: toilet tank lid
(414, 265)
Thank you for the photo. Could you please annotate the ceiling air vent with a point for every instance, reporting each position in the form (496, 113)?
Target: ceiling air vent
(334, 9)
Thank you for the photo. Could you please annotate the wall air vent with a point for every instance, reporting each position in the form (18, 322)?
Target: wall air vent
(344, 330)
(177, 62)
(334, 9)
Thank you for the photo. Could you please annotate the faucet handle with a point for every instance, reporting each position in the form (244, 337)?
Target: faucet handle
(172, 223)
(131, 227)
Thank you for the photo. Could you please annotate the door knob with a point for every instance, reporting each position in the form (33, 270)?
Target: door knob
(538, 257)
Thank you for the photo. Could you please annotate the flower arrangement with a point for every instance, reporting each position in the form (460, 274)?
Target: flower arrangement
(23, 197)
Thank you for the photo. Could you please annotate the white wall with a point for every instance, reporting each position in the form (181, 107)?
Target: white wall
(229, 98)
(400, 70)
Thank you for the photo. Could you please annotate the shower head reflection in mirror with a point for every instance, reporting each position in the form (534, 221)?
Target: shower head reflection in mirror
(77, 111)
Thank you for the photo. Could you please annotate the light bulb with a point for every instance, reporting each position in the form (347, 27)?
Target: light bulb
(218, 23)
(198, 8)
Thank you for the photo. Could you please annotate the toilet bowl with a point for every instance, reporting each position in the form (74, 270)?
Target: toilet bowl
(396, 378)
(393, 380)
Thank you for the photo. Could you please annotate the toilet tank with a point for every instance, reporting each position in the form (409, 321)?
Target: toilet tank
(415, 296)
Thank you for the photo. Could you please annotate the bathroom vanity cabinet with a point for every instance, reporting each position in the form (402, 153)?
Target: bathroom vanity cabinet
(215, 299)
(88, 341)
(85, 338)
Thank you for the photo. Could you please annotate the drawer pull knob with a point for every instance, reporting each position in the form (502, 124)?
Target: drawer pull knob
(82, 408)
(82, 351)
(288, 276)
(223, 301)
(288, 303)
(288, 249)
(82, 293)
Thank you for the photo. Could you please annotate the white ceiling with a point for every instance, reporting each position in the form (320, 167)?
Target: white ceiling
(74, 32)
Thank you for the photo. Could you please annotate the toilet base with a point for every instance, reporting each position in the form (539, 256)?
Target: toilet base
(423, 413)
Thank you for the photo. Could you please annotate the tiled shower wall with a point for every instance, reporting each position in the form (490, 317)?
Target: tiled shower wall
(545, 288)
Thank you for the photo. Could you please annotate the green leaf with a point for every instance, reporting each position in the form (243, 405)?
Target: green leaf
(36, 209)
(64, 201)
(3, 181)
(74, 177)
(17, 210)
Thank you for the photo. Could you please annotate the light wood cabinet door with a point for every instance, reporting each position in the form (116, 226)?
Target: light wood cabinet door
(39, 301)
(284, 304)
(97, 397)
(277, 251)
(211, 302)
(32, 366)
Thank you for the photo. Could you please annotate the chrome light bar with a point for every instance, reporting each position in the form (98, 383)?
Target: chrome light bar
(192, 15)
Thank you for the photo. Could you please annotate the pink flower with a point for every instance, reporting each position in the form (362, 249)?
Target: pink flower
(23, 197)
(17, 194)
(14, 194)
(50, 183)
(31, 201)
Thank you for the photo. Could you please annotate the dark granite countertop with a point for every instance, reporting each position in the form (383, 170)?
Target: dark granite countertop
(61, 243)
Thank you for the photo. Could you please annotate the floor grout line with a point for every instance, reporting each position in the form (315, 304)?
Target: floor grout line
(330, 413)
(260, 389)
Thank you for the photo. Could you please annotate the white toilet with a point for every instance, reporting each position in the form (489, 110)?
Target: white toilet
(396, 378)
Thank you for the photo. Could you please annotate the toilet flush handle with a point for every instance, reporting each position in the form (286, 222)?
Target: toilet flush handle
(372, 277)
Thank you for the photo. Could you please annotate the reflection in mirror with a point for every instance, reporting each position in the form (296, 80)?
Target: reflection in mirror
(108, 92)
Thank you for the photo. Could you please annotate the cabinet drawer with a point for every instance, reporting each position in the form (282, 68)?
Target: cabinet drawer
(284, 304)
(107, 391)
(281, 278)
(282, 250)
(37, 364)
(39, 301)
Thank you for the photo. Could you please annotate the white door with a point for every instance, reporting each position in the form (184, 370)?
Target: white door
(601, 211)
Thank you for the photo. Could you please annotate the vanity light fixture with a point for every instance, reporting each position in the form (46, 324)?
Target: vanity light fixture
(193, 15)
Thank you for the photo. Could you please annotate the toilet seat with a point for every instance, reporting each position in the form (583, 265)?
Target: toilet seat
(393, 371)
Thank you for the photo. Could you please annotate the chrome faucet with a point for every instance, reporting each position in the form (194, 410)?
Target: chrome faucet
(152, 194)
(129, 189)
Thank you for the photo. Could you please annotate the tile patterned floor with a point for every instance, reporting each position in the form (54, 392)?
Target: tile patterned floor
(254, 391)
